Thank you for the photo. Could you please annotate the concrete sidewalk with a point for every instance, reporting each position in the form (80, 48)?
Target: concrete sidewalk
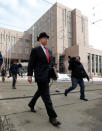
(75, 115)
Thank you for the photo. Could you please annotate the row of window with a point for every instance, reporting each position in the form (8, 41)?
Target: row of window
(96, 62)
(67, 23)
(12, 38)
(26, 51)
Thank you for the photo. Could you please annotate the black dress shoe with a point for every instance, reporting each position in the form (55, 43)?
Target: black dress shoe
(54, 121)
(31, 108)
(84, 99)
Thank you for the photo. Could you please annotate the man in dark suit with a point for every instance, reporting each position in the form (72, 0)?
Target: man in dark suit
(40, 62)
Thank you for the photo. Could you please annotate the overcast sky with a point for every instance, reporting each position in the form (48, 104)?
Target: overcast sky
(21, 14)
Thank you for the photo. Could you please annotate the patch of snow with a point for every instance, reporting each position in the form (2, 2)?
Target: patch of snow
(63, 77)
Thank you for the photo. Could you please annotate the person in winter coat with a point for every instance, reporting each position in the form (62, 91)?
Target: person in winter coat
(77, 74)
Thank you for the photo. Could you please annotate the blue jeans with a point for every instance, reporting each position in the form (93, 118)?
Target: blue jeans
(76, 81)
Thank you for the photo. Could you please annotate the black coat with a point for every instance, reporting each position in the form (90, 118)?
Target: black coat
(14, 69)
(78, 70)
(39, 64)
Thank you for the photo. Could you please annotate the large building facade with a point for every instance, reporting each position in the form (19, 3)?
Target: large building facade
(14, 45)
(68, 31)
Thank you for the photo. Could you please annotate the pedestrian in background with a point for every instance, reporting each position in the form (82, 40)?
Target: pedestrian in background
(77, 74)
(3, 73)
(14, 72)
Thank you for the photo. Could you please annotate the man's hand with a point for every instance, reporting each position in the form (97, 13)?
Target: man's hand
(29, 79)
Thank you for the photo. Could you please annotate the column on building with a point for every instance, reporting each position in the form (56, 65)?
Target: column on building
(57, 61)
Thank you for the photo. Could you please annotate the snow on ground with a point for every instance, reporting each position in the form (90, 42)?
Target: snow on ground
(66, 78)
(61, 78)
(97, 79)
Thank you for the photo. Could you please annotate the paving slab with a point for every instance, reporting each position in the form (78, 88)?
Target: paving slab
(75, 114)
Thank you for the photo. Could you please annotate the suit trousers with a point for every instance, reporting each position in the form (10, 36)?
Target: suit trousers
(43, 91)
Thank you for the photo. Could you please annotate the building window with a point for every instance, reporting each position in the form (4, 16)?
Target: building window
(27, 51)
(13, 40)
(61, 64)
(64, 16)
(13, 50)
(89, 63)
(20, 51)
(93, 63)
(83, 24)
(69, 28)
(100, 65)
(96, 63)
(20, 39)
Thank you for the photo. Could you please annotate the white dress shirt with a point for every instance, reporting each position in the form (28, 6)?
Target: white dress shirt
(43, 48)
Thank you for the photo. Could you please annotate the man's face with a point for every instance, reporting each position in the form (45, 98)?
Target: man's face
(15, 62)
(43, 41)
(78, 59)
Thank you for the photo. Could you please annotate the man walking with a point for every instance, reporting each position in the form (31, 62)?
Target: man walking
(3, 73)
(40, 61)
(14, 72)
(77, 74)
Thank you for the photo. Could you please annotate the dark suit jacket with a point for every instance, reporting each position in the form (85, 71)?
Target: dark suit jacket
(39, 64)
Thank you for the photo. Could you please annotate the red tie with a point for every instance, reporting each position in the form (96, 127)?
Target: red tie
(47, 54)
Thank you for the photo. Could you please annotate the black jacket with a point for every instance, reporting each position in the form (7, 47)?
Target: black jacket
(39, 64)
(14, 69)
(78, 70)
